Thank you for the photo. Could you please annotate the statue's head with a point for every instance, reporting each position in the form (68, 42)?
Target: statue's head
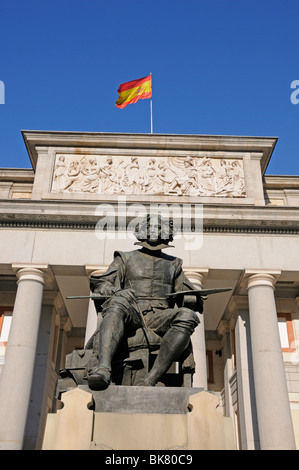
(154, 232)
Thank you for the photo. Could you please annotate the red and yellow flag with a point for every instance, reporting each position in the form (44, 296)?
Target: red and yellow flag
(131, 92)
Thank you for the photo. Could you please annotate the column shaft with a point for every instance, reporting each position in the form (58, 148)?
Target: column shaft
(272, 401)
(198, 338)
(16, 379)
(249, 439)
(93, 319)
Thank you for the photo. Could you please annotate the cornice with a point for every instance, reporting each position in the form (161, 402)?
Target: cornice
(185, 142)
(281, 182)
(82, 215)
(17, 175)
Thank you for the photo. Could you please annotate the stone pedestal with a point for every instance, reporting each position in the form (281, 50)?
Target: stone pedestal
(123, 399)
(139, 418)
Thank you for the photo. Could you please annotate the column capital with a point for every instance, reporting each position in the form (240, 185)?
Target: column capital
(237, 304)
(59, 305)
(224, 327)
(260, 277)
(66, 324)
(197, 275)
(38, 272)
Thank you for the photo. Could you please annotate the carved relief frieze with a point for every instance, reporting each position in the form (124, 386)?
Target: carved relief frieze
(173, 176)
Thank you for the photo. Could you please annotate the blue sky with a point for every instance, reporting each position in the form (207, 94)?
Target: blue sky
(219, 68)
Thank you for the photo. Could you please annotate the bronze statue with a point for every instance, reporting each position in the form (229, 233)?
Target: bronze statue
(136, 289)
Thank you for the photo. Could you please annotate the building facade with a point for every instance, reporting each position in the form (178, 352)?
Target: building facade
(63, 219)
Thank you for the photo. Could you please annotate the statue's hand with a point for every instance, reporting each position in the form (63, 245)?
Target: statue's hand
(128, 294)
(106, 290)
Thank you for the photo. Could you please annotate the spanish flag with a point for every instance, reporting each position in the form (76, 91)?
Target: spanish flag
(131, 92)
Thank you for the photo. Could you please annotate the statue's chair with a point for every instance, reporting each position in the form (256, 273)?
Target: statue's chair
(133, 360)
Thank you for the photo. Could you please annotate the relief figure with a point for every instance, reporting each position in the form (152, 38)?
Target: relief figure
(225, 179)
(59, 175)
(208, 176)
(133, 175)
(238, 179)
(73, 174)
(90, 173)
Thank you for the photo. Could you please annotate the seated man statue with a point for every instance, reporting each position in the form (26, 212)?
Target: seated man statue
(137, 284)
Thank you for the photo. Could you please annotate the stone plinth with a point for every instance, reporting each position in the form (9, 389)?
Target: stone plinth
(71, 427)
(123, 399)
(139, 418)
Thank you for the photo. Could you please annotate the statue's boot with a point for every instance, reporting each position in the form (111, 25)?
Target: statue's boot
(111, 333)
(172, 346)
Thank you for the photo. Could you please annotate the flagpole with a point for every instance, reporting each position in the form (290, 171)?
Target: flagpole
(151, 106)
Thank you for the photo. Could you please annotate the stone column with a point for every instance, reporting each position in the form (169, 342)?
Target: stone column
(272, 401)
(41, 381)
(197, 277)
(92, 318)
(224, 330)
(16, 378)
(249, 439)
